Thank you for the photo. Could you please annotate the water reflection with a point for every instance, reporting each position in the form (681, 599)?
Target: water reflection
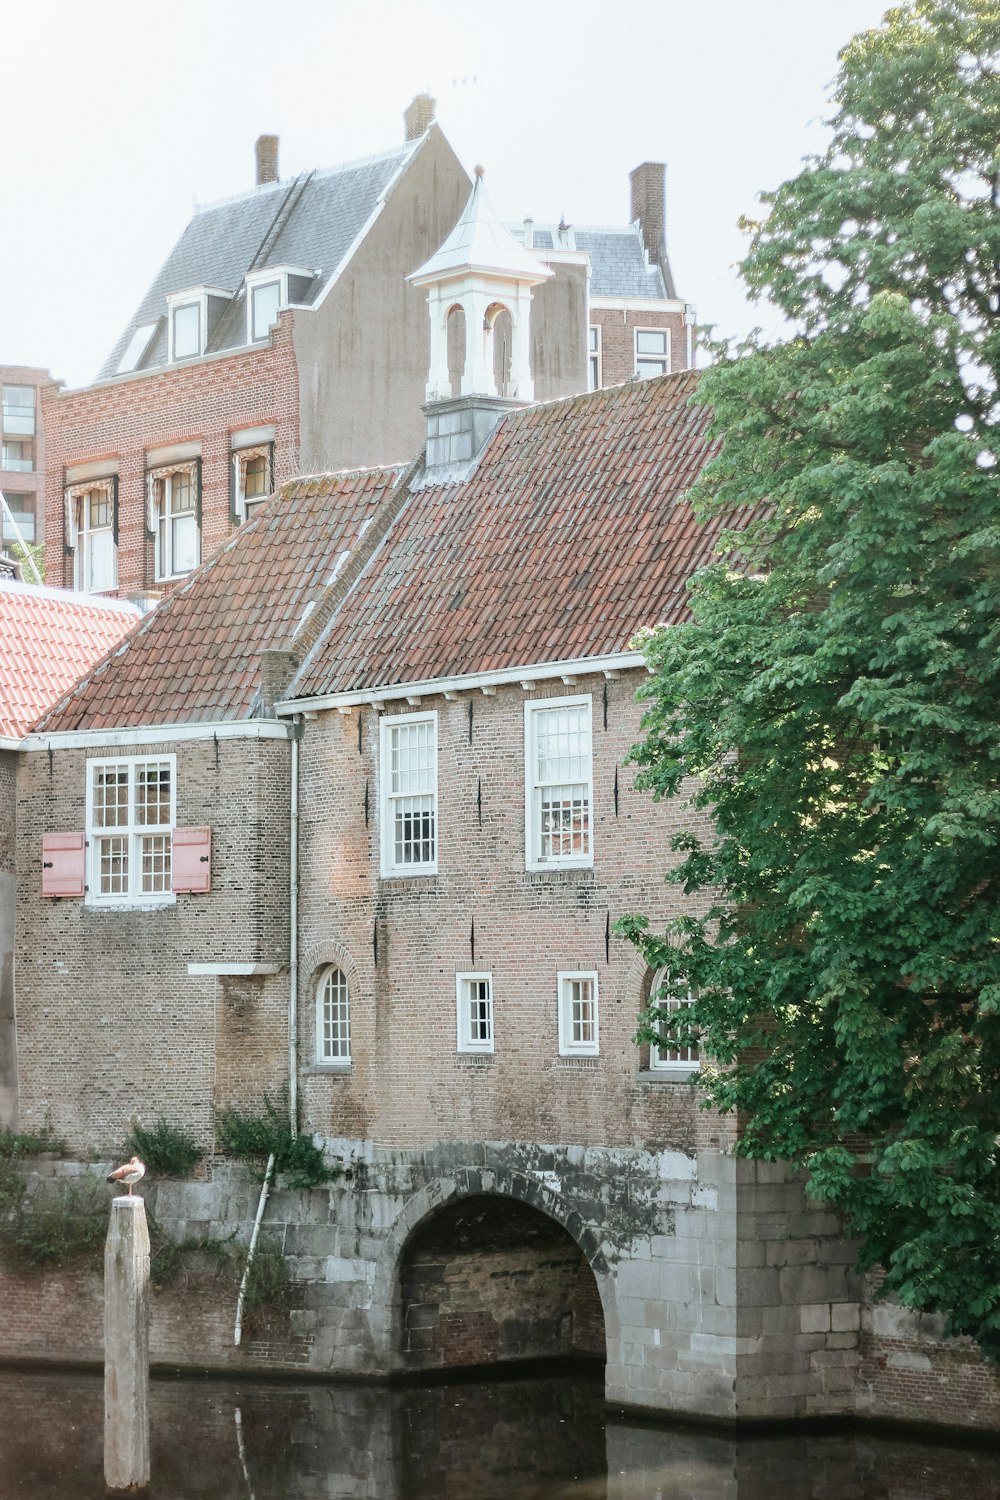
(540, 1439)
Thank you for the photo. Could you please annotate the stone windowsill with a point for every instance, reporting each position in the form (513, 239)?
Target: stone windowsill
(315, 1070)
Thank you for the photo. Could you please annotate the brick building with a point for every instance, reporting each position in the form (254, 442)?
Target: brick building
(350, 816)
(282, 337)
(22, 451)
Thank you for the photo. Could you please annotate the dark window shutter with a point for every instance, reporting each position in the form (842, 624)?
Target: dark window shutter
(234, 469)
(114, 509)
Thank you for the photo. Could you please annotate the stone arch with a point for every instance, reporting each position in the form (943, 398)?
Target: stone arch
(469, 1183)
(455, 336)
(498, 326)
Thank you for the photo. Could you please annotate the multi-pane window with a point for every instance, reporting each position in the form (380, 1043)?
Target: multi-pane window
(185, 331)
(91, 528)
(173, 519)
(264, 303)
(22, 508)
(666, 996)
(252, 479)
(18, 412)
(130, 820)
(409, 794)
(559, 782)
(474, 993)
(652, 351)
(594, 357)
(333, 1018)
(578, 1014)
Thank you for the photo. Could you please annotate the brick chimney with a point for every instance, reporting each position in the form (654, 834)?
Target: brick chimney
(266, 151)
(648, 184)
(419, 115)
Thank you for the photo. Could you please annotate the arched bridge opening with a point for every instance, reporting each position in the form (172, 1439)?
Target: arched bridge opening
(489, 1279)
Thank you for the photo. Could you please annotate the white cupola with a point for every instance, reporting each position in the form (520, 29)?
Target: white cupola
(479, 300)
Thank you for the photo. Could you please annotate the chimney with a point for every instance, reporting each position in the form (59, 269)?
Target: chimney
(648, 185)
(419, 116)
(267, 159)
(529, 234)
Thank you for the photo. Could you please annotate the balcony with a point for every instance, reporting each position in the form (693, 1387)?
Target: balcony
(18, 420)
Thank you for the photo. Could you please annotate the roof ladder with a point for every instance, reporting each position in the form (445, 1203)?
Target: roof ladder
(277, 226)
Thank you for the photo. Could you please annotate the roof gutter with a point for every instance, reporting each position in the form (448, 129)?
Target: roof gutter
(158, 734)
(622, 661)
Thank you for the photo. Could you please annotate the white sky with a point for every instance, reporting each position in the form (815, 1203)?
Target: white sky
(121, 114)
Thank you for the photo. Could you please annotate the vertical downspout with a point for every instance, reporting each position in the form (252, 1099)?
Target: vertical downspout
(689, 326)
(293, 936)
(293, 1051)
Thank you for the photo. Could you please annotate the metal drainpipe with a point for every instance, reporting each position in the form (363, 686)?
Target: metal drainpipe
(293, 936)
(293, 1009)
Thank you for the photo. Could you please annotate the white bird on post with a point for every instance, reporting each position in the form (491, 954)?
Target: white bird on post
(129, 1174)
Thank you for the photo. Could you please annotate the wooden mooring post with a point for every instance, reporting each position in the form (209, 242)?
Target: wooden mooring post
(126, 1348)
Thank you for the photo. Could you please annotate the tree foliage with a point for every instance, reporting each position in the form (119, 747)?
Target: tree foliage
(837, 692)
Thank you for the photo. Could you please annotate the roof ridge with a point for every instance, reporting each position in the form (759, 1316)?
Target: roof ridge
(75, 597)
(345, 166)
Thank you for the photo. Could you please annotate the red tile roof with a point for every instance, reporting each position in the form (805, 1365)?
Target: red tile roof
(196, 657)
(49, 638)
(572, 532)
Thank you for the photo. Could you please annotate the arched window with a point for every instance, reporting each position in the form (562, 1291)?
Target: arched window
(333, 1018)
(499, 328)
(664, 995)
(456, 347)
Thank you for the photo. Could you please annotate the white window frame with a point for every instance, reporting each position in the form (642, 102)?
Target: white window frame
(669, 1062)
(273, 275)
(131, 831)
(388, 725)
(199, 310)
(661, 360)
(323, 1057)
(594, 357)
(243, 504)
(570, 1045)
(161, 515)
(192, 296)
(533, 855)
(80, 535)
(464, 980)
(255, 336)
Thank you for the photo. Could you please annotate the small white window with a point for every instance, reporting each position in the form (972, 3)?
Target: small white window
(559, 780)
(578, 1034)
(136, 348)
(253, 480)
(409, 794)
(652, 352)
(173, 520)
(594, 357)
(264, 303)
(90, 532)
(130, 822)
(474, 993)
(333, 1018)
(185, 331)
(680, 1062)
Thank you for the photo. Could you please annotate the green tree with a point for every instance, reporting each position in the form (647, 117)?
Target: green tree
(837, 692)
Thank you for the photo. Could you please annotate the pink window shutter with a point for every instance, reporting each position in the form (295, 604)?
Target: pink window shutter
(64, 864)
(191, 867)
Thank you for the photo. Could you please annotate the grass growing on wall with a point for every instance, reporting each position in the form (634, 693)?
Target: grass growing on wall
(254, 1138)
(166, 1150)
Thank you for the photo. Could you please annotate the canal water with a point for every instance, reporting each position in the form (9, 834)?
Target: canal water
(540, 1439)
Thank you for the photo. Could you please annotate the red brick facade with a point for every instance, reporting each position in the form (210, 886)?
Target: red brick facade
(205, 403)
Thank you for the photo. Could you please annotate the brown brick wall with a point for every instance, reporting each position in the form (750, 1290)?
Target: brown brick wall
(409, 1086)
(618, 340)
(110, 1023)
(121, 420)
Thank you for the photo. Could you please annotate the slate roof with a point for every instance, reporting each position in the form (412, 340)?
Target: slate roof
(49, 638)
(196, 657)
(571, 534)
(326, 210)
(618, 263)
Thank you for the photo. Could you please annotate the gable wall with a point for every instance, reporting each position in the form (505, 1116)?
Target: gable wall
(408, 1085)
(618, 327)
(119, 421)
(363, 355)
(110, 1023)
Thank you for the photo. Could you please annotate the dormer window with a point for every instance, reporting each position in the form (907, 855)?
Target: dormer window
(185, 331)
(264, 303)
(193, 315)
(268, 292)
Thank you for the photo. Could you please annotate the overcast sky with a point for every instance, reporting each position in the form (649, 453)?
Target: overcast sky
(121, 115)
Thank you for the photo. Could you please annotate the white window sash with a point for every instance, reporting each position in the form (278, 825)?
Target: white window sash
(161, 516)
(536, 785)
(137, 840)
(466, 1042)
(392, 802)
(570, 1045)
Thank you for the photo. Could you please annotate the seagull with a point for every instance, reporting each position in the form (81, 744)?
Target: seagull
(130, 1173)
